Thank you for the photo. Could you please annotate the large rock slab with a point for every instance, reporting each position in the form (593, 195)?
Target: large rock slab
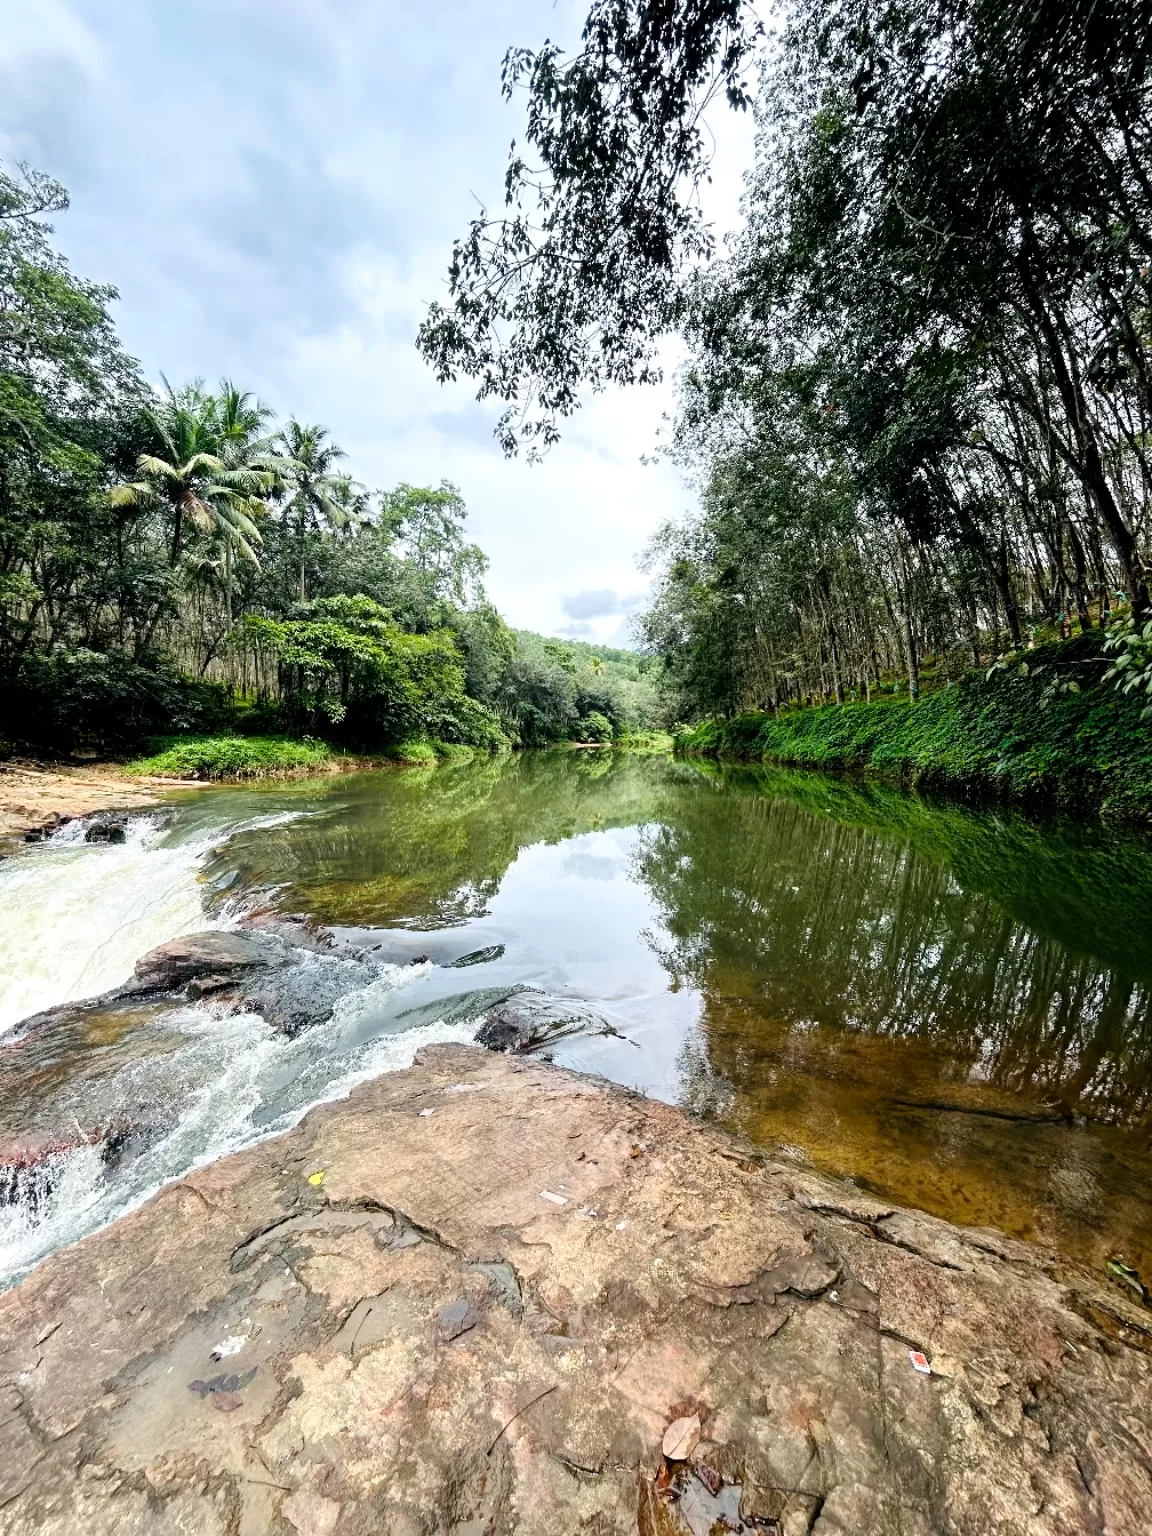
(485, 1295)
(215, 952)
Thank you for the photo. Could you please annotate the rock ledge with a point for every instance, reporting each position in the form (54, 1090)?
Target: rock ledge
(489, 1296)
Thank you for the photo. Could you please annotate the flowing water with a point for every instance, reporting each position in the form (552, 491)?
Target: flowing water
(951, 1007)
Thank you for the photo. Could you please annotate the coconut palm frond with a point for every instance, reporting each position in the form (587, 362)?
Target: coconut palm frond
(160, 469)
(201, 460)
(130, 494)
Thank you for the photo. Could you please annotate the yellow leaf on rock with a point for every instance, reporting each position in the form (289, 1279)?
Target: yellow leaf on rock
(681, 1438)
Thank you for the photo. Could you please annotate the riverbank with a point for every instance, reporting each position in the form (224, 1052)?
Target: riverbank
(38, 797)
(1045, 730)
(486, 1293)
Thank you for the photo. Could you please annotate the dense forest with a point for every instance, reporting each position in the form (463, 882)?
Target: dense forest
(917, 401)
(174, 560)
(916, 404)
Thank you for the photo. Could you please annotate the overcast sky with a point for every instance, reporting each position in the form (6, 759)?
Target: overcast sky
(274, 187)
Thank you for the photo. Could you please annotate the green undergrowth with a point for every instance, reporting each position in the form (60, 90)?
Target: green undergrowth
(1044, 728)
(426, 754)
(646, 741)
(232, 757)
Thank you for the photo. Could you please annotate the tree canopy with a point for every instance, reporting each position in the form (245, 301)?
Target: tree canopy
(173, 559)
(917, 402)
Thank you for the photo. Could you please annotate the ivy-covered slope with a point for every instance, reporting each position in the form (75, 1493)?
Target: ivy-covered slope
(1045, 729)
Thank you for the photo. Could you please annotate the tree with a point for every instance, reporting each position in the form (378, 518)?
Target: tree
(429, 525)
(575, 282)
(347, 664)
(189, 475)
(314, 495)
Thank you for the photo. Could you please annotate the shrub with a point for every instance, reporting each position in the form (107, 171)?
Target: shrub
(1043, 726)
(593, 727)
(231, 757)
(67, 701)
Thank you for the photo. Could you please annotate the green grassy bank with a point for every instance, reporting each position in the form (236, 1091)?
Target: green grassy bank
(1046, 730)
(232, 757)
(238, 757)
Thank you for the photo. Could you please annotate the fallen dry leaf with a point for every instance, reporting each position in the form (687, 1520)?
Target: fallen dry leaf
(681, 1438)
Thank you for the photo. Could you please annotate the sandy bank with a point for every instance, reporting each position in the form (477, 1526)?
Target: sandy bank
(34, 797)
(474, 1298)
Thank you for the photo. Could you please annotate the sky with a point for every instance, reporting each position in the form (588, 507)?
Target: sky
(274, 186)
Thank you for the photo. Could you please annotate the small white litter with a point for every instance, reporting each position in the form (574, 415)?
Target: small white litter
(426, 1112)
(919, 1362)
(546, 1194)
(620, 1225)
(232, 1345)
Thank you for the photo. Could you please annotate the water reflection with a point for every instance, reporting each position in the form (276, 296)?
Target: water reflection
(878, 915)
(950, 1006)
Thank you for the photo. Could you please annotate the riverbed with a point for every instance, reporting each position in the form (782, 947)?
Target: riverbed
(951, 1007)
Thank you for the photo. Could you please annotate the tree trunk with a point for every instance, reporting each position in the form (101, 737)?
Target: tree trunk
(1004, 582)
(1080, 566)
(1090, 466)
(908, 640)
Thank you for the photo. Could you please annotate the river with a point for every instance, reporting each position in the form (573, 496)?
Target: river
(951, 1007)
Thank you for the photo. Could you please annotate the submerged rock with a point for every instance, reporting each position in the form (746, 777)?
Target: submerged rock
(492, 1316)
(477, 957)
(529, 1020)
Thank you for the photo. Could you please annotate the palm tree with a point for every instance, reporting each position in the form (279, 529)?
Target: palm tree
(239, 420)
(191, 477)
(354, 502)
(314, 493)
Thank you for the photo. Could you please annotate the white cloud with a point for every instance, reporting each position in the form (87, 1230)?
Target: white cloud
(274, 187)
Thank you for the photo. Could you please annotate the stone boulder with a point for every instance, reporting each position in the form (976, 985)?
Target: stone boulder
(106, 829)
(530, 1020)
(216, 952)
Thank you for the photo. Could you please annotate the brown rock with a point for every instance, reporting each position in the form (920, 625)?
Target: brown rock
(217, 953)
(390, 1341)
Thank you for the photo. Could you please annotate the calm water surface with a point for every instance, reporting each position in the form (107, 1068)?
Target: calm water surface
(951, 1007)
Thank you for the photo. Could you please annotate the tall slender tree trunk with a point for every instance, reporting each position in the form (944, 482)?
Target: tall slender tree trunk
(1004, 582)
(908, 641)
(1080, 566)
(1090, 465)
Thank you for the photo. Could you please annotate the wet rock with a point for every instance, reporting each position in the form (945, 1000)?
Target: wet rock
(209, 986)
(387, 1382)
(477, 957)
(106, 829)
(31, 1163)
(296, 929)
(307, 993)
(28, 1169)
(213, 953)
(529, 1020)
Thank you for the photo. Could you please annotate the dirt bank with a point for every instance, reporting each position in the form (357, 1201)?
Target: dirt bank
(485, 1295)
(34, 797)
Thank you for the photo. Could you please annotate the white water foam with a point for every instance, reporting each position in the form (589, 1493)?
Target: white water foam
(235, 1081)
(75, 916)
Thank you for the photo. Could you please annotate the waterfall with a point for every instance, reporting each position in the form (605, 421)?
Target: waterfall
(75, 916)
